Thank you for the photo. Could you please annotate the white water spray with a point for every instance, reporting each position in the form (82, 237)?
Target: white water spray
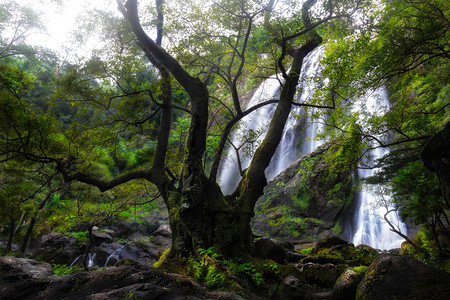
(287, 151)
(370, 228)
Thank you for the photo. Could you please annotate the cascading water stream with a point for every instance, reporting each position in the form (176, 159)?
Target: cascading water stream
(298, 128)
(230, 176)
(370, 228)
(116, 254)
(287, 151)
(90, 262)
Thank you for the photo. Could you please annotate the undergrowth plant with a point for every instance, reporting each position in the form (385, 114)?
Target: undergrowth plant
(60, 270)
(210, 268)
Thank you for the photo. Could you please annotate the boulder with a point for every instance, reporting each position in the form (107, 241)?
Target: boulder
(293, 288)
(106, 251)
(270, 249)
(161, 242)
(14, 247)
(293, 257)
(306, 201)
(125, 252)
(330, 243)
(13, 268)
(346, 285)
(101, 237)
(163, 230)
(365, 254)
(56, 248)
(125, 229)
(323, 275)
(138, 237)
(402, 277)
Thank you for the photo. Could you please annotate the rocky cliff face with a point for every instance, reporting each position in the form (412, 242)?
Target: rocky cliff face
(306, 201)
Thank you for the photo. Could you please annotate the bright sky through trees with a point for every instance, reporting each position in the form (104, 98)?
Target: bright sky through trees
(61, 18)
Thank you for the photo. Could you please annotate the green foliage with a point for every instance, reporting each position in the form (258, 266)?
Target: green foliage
(208, 270)
(81, 237)
(129, 295)
(417, 192)
(361, 270)
(428, 253)
(306, 251)
(337, 228)
(214, 271)
(344, 154)
(60, 270)
(104, 113)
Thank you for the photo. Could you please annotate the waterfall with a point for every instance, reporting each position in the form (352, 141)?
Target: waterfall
(288, 150)
(298, 128)
(369, 226)
(229, 175)
(90, 262)
(114, 255)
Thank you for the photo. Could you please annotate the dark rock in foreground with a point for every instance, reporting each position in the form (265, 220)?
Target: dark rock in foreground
(124, 282)
(403, 277)
(13, 268)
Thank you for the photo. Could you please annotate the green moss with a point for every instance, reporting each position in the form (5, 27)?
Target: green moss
(306, 251)
(129, 295)
(301, 201)
(337, 228)
(365, 255)
(361, 270)
(315, 221)
(162, 259)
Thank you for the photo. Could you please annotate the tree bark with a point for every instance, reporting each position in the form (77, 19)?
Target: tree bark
(27, 236)
(10, 236)
(200, 216)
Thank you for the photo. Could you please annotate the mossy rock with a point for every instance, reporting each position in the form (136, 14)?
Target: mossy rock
(402, 277)
(323, 259)
(331, 250)
(365, 254)
(322, 275)
(331, 242)
(347, 284)
(306, 201)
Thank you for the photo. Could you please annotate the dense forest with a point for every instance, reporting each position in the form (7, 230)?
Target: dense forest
(136, 129)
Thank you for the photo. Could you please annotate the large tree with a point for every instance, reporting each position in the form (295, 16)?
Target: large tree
(212, 41)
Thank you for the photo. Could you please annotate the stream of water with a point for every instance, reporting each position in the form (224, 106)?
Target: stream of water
(369, 227)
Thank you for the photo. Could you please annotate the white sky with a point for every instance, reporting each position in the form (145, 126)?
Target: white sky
(60, 18)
